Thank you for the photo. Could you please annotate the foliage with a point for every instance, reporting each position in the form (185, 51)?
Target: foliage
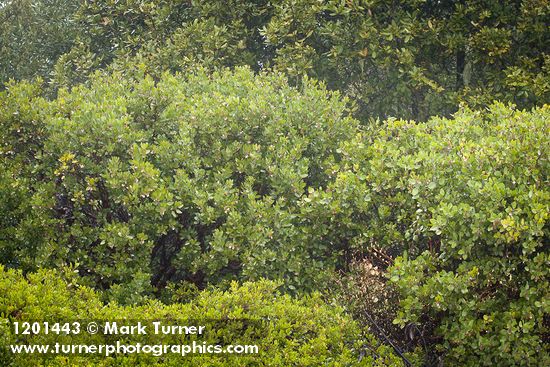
(156, 172)
(417, 58)
(288, 332)
(411, 59)
(466, 203)
(110, 28)
(201, 179)
(24, 222)
(33, 35)
(195, 178)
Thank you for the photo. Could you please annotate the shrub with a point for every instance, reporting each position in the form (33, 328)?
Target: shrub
(24, 218)
(466, 202)
(288, 332)
(194, 178)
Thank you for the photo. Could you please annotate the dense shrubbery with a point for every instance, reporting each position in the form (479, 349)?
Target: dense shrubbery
(288, 332)
(155, 173)
(196, 178)
(467, 203)
(201, 179)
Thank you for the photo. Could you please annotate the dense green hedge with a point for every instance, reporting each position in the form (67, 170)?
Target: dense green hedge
(288, 332)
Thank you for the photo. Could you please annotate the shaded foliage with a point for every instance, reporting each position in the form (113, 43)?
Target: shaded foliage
(410, 59)
(33, 35)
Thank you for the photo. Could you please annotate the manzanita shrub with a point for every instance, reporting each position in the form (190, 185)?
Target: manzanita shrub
(466, 202)
(191, 178)
(287, 331)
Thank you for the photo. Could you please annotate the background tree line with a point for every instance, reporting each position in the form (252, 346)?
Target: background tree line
(410, 59)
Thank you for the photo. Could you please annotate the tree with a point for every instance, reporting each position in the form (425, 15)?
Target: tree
(33, 35)
(417, 58)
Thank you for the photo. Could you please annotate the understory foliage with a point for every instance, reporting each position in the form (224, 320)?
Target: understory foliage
(288, 332)
(366, 292)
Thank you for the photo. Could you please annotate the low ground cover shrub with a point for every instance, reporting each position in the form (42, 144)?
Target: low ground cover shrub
(287, 331)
